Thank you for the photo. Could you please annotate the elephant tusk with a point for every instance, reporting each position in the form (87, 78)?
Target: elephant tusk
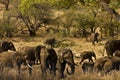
(29, 66)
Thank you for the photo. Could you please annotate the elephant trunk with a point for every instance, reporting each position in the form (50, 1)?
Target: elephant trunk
(12, 48)
(72, 66)
(95, 56)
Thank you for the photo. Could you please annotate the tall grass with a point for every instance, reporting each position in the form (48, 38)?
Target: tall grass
(12, 74)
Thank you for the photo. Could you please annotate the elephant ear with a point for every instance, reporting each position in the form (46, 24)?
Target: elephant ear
(67, 53)
(5, 45)
(60, 58)
(11, 46)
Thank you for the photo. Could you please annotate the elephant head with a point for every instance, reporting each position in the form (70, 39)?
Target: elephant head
(93, 54)
(111, 46)
(8, 46)
(68, 58)
(65, 56)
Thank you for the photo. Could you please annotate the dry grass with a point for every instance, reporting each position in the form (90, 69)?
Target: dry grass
(79, 46)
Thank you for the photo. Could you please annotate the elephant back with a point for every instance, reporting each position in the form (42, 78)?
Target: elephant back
(99, 63)
(7, 59)
(111, 46)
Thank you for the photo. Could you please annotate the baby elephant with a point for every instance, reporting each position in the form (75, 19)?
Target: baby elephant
(87, 66)
(87, 55)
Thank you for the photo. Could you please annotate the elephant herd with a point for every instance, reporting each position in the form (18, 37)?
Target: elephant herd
(53, 60)
(106, 63)
(46, 58)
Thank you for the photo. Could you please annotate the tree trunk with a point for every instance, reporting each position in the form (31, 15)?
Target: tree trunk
(6, 4)
(32, 32)
(110, 10)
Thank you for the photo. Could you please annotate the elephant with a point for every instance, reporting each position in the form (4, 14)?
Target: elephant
(6, 45)
(65, 56)
(111, 46)
(94, 37)
(87, 66)
(50, 42)
(87, 55)
(113, 63)
(46, 56)
(106, 64)
(99, 63)
(48, 61)
(31, 55)
(11, 59)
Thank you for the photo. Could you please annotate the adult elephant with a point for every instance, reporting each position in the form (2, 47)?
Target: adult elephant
(94, 37)
(11, 59)
(31, 55)
(46, 56)
(111, 46)
(87, 55)
(6, 45)
(65, 56)
(48, 61)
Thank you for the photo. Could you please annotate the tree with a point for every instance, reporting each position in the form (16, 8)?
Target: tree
(35, 15)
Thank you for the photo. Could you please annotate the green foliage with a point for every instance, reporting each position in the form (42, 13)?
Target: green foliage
(25, 5)
(5, 27)
(66, 4)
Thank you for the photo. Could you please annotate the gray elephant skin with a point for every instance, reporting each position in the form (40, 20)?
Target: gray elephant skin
(50, 42)
(11, 59)
(31, 55)
(65, 56)
(87, 66)
(48, 61)
(87, 55)
(46, 56)
(111, 46)
(107, 64)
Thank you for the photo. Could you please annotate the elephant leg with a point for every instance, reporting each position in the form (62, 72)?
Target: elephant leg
(19, 67)
(30, 67)
(81, 60)
(90, 60)
(62, 70)
(43, 71)
(53, 69)
(30, 70)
